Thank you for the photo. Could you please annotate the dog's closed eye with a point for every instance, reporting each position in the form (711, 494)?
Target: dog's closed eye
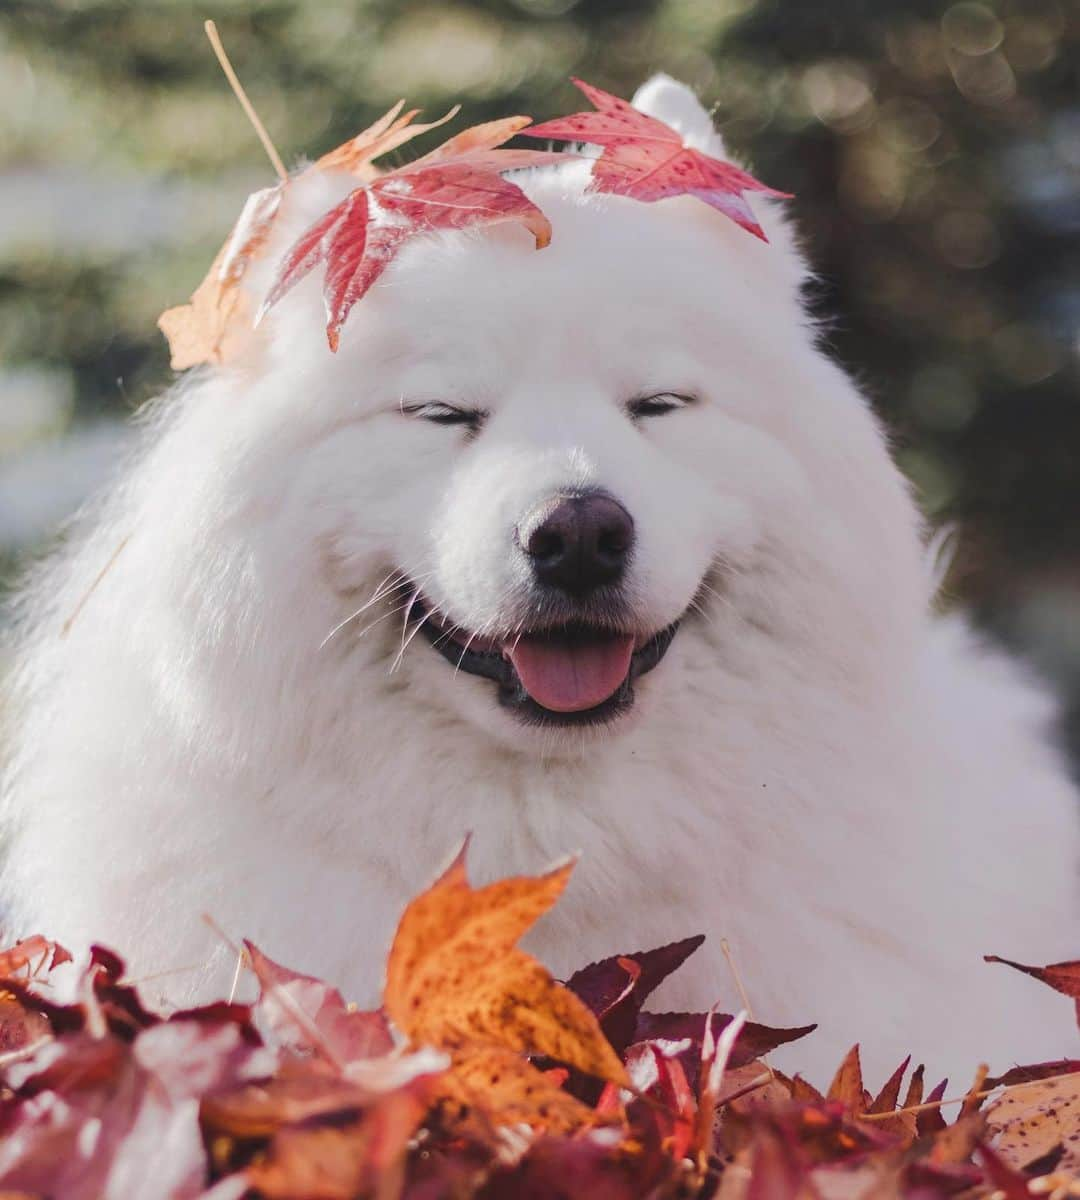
(657, 405)
(438, 413)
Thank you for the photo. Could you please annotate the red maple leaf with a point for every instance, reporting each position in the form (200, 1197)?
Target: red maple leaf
(647, 160)
(456, 186)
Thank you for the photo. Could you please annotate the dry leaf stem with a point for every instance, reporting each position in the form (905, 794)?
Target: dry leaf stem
(245, 103)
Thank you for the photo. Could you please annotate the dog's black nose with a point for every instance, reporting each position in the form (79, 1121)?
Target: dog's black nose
(578, 543)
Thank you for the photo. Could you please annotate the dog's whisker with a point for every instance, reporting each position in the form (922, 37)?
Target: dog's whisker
(341, 624)
(447, 635)
(378, 595)
(382, 590)
(464, 651)
(393, 612)
(407, 642)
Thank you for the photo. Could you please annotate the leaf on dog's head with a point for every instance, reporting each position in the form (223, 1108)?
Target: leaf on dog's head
(217, 321)
(477, 139)
(455, 978)
(459, 185)
(647, 160)
(387, 133)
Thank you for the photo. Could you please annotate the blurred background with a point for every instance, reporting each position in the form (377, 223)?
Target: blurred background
(933, 147)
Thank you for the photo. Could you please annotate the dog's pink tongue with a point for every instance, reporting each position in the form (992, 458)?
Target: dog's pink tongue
(571, 678)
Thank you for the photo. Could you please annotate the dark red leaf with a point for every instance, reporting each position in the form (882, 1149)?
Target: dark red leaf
(885, 1100)
(753, 1042)
(457, 186)
(616, 998)
(120, 1005)
(571, 1170)
(925, 1180)
(930, 1120)
(221, 1012)
(1033, 1072)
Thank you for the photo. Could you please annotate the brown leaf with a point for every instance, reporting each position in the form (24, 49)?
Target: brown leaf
(955, 1143)
(362, 1155)
(455, 978)
(885, 1100)
(1033, 1071)
(300, 1091)
(805, 1093)
(915, 1088)
(1063, 977)
(847, 1084)
(32, 956)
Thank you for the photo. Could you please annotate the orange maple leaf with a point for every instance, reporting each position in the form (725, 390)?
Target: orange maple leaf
(217, 320)
(457, 981)
(455, 976)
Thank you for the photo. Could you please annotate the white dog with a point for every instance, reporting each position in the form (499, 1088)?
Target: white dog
(677, 617)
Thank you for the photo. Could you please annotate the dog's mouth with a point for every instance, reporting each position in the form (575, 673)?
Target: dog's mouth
(576, 673)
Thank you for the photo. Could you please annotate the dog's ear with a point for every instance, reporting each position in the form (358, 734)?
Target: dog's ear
(676, 105)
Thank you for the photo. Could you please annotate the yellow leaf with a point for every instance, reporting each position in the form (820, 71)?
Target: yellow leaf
(1033, 1119)
(217, 320)
(456, 980)
(386, 134)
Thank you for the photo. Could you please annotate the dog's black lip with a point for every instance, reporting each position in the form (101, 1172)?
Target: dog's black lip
(493, 665)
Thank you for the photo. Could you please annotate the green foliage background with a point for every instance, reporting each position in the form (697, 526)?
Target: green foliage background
(933, 147)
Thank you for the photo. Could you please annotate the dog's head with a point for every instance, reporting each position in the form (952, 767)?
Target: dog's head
(531, 476)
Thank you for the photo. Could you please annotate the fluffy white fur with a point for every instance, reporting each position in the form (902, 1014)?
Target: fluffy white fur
(859, 796)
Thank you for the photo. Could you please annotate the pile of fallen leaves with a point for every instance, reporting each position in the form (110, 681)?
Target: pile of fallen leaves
(481, 1076)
